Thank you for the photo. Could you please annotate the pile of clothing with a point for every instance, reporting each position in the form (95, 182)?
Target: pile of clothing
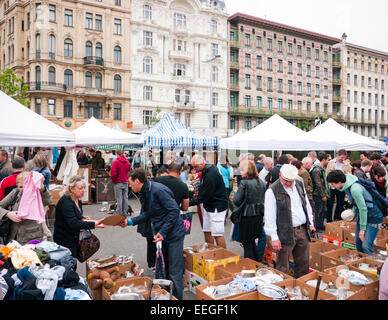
(40, 271)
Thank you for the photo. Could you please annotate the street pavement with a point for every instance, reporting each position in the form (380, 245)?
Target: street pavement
(126, 241)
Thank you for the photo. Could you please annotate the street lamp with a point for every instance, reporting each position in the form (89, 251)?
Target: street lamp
(211, 90)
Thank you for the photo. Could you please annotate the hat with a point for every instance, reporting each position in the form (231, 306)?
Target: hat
(289, 172)
(347, 215)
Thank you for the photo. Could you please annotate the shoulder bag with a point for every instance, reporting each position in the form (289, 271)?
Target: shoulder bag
(88, 245)
(237, 212)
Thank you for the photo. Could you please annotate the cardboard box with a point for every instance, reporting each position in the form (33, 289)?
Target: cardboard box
(201, 295)
(381, 242)
(383, 233)
(192, 280)
(316, 250)
(350, 236)
(349, 246)
(328, 239)
(135, 281)
(155, 292)
(188, 257)
(333, 258)
(232, 269)
(372, 263)
(204, 263)
(322, 295)
(333, 230)
(371, 289)
(251, 295)
(359, 292)
(385, 221)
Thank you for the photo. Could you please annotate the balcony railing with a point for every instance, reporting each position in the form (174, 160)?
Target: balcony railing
(189, 105)
(234, 44)
(47, 86)
(234, 65)
(94, 61)
(178, 54)
(235, 86)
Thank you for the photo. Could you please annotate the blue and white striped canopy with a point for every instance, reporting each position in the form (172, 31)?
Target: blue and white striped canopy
(170, 133)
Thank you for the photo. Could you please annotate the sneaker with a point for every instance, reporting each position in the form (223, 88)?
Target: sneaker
(151, 269)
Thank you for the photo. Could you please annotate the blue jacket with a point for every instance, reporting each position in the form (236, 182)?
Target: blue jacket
(159, 206)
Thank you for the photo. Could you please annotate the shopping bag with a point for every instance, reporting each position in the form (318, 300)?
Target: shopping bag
(187, 220)
(87, 245)
(160, 267)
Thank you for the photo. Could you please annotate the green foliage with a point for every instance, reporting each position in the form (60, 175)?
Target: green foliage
(156, 117)
(13, 86)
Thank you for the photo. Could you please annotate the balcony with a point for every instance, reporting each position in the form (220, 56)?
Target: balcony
(180, 30)
(190, 105)
(47, 87)
(181, 78)
(234, 65)
(234, 44)
(337, 64)
(337, 81)
(94, 62)
(234, 86)
(337, 99)
(180, 55)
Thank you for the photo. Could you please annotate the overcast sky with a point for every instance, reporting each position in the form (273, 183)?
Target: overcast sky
(364, 21)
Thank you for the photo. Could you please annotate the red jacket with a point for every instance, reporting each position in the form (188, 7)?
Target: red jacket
(7, 185)
(120, 170)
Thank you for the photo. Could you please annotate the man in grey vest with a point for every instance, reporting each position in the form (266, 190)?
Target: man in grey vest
(289, 221)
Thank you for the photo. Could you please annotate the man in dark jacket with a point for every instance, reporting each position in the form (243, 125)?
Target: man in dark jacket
(119, 177)
(160, 207)
(213, 195)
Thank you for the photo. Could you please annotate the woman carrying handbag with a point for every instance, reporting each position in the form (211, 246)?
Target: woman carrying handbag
(249, 212)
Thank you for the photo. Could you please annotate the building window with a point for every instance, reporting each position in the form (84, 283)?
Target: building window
(98, 50)
(179, 20)
(308, 107)
(38, 103)
(289, 67)
(259, 42)
(259, 62)
(93, 109)
(299, 88)
(269, 85)
(68, 47)
(299, 50)
(247, 101)
(215, 98)
(187, 120)
(187, 96)
(280, 65)
(215, 120)
(147, 38)
(51, 76)
(52, 13)
(117, 83)
(317, 72)
(269, 103)
(117, 54)
(117, 111)
(88, 49)
(269, 64)
(179, 69)
(259, 102)
(280, 104)
(308, 89)
(325, 73)
(280, 85)
(147, 93)
(117, 2)
(325, 92)
(88, 20)
(259, 83)
(289, 48)
(299, 106)
(290, 87)
(147, 115)
(147, 12)
(147, 65)
(88, 79)
(247, 39)
(98, 22)
(37, 45)
(233, 100)
(213, 26)
(117, 26)
(289, 105)
(51, 47)
(280, 46)
(247, 81)
(248, 123)
(68, 17)
(38, 75)
(51, 107)
(308, 52)
(232, 122)
(316, 54)
(214, 49)
(98, 80)
(269, 44)
(68, 108)
(299, 69)
(38, 11)
(68, 78)
(247, 60)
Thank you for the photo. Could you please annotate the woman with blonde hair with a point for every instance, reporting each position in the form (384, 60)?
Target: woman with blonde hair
(69, 219)
(250, 195)
(22, 230)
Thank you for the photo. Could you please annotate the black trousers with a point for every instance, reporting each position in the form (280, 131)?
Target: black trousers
(250, 250)
(339, 206)
(151, 252)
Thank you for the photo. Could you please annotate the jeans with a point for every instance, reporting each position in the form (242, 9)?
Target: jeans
(261, 246)
(121, 194)
(339, 206)
(370, 236)
(319, 208)
(173, 258)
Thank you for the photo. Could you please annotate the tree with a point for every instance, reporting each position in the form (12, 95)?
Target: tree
(156, 117)
(15, 87)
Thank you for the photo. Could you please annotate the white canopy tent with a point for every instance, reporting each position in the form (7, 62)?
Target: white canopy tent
(22, 127)
(344, 138)
(93, 132)
(276, 133)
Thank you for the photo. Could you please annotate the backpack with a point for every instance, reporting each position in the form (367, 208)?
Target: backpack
(381, 202)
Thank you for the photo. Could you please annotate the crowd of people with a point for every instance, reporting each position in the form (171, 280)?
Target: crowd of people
(286, 199)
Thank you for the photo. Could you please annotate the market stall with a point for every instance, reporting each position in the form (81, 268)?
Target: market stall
(276, 133)
(344, 138)
(20, 126)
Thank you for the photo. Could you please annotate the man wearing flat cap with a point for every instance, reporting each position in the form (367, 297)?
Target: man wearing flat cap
(289, 221)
